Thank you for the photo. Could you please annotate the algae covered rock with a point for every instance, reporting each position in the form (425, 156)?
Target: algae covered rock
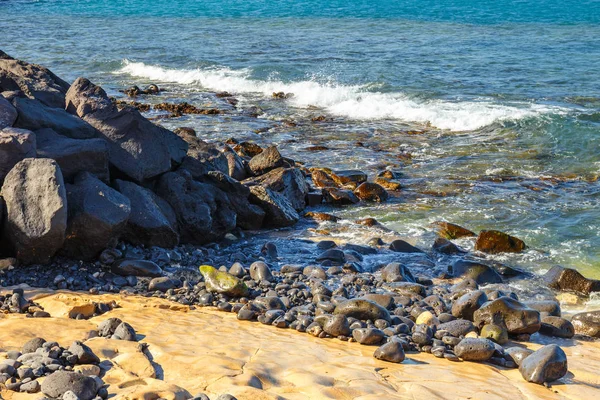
(222, 282)
(494, 242)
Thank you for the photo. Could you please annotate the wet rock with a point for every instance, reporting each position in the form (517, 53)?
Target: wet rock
(137, 268)
(349, 177)
(222, 282)
(458, 327)
(401, 246)
(58, 383)
(557, 326)
(204, 212)
(568, 279)
(322, 179)
(587, 323)
(405, 288)
(388, 184)
(74, 155)
(451, 231)
(497, 333)
(15, 145)
(36, 209)
(287, 181)
(368, 191)
(334, 255)
(137, 147)
(444, 246)
(362, 309)
(480, 273)
(518, 354)
(319, 216)
(266, 161)
(33, 80)
(235, 164)
(97, 215)
(260, 271)
(84, 354)
(339, 196)
(545, 307)
(544, 365)
(494, 242)
(368, 336)
(34, 115)
(396, 272)
(162, 284)
(279, 211)
(384, 300)
(336, 325)
(248, 149)
(517, 317)
(390, 352)
(467, 304)
(472, 349)
(152, 221)
(8, 114)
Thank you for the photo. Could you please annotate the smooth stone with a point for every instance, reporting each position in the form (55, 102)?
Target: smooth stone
(518, 354)
(402, 246)
(162, 284)
(396, 272)
(260, 271)
(125, 332)
(557, 326)
(479, 272)
(495, 242)
(137, 268)
(544, 365)
(336, 325)
(517, 317)
(494, 332)
(362, 309)
(368, 336)
(391, 352)
(470, 349)
(587, 323)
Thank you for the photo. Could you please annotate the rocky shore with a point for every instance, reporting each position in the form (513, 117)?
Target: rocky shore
(96, 198)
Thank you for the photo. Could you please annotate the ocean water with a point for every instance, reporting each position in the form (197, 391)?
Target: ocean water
(504, 97)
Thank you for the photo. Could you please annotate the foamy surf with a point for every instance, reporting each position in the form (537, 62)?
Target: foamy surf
(354, 102)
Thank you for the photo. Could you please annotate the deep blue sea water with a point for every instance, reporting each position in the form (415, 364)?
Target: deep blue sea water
(507, 94)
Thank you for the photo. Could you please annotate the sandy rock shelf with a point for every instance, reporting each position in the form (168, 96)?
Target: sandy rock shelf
(203, 350)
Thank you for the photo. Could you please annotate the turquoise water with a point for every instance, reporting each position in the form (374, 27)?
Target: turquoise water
(506, 92)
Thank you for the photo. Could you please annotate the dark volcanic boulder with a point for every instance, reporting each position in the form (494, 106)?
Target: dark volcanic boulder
(544, 365)
(401, 246)
(362, 309)
(35, 81)
(8, 114)
(34, 116)
(204, 212)
(545, 307)
(152, 221)
(137, 147)
(467, 304)
(517, 317)
(568, 279)
(249, 216)
(445, 246)
(235, 163)
(36, 209)
(479, 272)
(97, 215)
(458, 327)
(202, 157)
(287, 181)
(137, 268)
(352, 178)
(557, 326)
(587, 323)
(498, 242)
(451, 231)
(60, 382)
(396, 272)
(15, 145)
(368, 191)
(279, 211)
(267, 160)
(475, 349)
(390, 352)
(339, 196)
(74, 155)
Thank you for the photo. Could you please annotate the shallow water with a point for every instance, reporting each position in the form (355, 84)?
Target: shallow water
(505, 95)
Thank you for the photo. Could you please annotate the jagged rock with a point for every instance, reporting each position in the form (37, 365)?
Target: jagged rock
(451, 231)
(15, 145)
(222, 282)
(236, 167)
(204, 212)
(137, 268)
(74, 155)
(84, 354)
(202, 157)
(279, 211)
(33, 80)
(479, 272)
(467, 304)
(368, 191)
(339, 196)
(498, 242)
(152, 221)
(362, 309)
(396, 272)
(97, 215)
(286, 181)
(349, 177)
(8, 114)
(34, 115)
(322, 179)
(587, 323)
(267, 160)
(568, 279)
(557, 326)
(402, 246)
(36, 208)
(544, 365)
(137, 147)
(58, 383)
(249, 216)
(517, 317)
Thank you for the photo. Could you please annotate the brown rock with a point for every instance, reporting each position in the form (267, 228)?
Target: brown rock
(339, 196)
(368, 191)
(451, 231)
(266, 161)
(568, 279)
(498, 242)
(346, 177)
(319, 216)
(388, 184)
(321, 179)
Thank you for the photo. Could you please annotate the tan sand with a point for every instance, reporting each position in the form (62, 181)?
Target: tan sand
(204, 350)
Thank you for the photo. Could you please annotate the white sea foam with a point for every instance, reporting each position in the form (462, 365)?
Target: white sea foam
(354, 102)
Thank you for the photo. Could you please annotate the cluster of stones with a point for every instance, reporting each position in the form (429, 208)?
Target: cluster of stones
(69, 373)
(16, 303)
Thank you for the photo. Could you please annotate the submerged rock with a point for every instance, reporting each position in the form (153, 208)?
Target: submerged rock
(544, 365)
(368, 191)
(498, 242)
(451, 231)
(222, 282)
(479, 272)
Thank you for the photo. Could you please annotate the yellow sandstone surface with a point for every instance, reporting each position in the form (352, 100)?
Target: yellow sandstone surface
(207, 351)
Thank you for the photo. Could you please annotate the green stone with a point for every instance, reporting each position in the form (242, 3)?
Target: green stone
(222, 282)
